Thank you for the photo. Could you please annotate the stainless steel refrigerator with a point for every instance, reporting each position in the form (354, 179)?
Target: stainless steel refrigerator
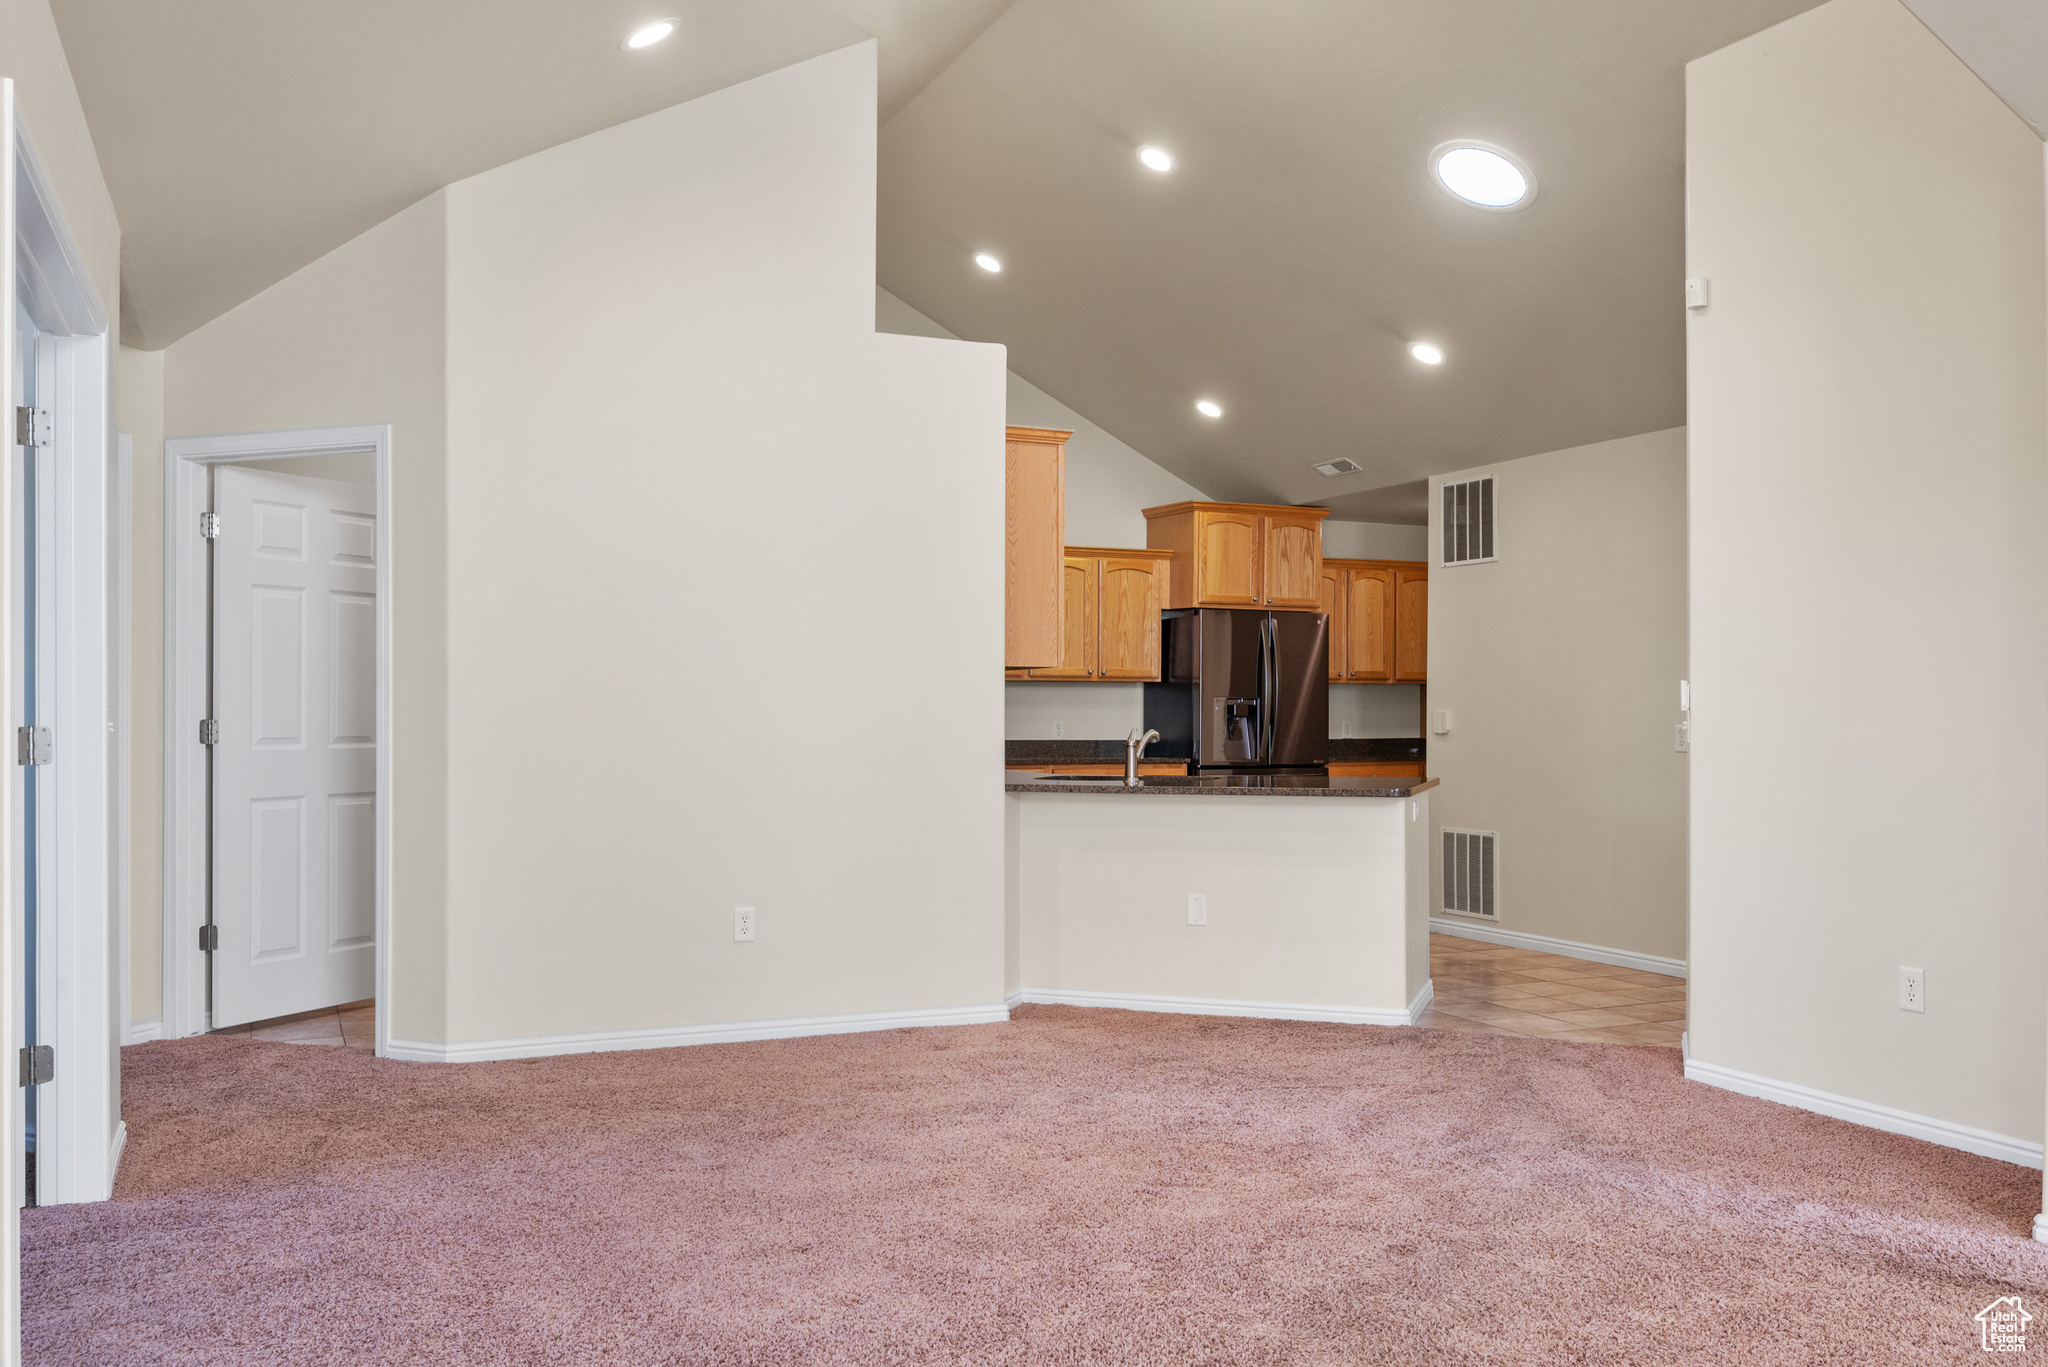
(1243, 689)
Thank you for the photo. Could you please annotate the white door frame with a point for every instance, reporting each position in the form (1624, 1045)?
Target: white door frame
(79, 1134)
(186, 460)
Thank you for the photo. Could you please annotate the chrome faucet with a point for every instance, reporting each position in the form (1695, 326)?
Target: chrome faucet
(1134, 750)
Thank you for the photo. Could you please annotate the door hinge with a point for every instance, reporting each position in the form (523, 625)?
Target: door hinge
(209, 526)
(33, 745)
(209, 938)
(209, 732)
(38, 1064)
(32, 427)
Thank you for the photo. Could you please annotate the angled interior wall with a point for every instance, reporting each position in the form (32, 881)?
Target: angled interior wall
(1559, 664)
(705, 524)
(1869, 477)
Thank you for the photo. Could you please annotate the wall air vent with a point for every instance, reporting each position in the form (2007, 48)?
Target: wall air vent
(1330, 469)
(1468, 522)
(1471, 873)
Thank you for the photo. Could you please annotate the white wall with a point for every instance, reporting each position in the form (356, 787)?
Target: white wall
(1374, 541)
(139, 411)
(1869, 480)
(685, 475)
(355, 337)
(1559, 663)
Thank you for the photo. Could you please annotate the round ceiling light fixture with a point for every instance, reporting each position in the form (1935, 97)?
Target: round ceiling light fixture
(647, 35)
(1426, 352)
(988, 263)
(1482, 175)
(1158, 158)
(1209, 408)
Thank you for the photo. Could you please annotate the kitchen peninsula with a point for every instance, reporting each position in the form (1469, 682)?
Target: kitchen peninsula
(1289, 897)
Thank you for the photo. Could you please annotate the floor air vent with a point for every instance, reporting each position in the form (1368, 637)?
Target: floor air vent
(1471, 873)
(1468, 522)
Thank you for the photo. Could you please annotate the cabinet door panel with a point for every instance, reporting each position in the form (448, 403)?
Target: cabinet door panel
(1371, 604)
(1294, 554)
(1077, 631)
(1227, 559)
(1035, 504)
(1332, 602)
(1128, 610)
(1411, 618)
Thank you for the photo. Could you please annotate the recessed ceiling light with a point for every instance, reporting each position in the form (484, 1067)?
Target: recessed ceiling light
(1426, 353)
(1209, 408)
(1482, 175)
(987, 262)
(647, 35)
(1158, 158)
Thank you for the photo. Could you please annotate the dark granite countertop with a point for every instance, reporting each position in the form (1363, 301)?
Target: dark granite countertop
(1112, 752)
(1230, 785)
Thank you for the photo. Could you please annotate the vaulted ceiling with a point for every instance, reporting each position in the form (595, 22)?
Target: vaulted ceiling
(243, 139)
(1280, 269)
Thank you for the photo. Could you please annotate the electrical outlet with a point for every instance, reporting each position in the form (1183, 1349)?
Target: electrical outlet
(1683, 741)
(1198, 909)
(1913, 989)
(1059, 731)
(743, 923)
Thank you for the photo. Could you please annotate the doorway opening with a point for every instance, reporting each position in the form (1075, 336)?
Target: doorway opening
(277, 757)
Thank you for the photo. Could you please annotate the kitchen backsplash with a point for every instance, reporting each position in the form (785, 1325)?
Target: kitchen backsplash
(1099, 711)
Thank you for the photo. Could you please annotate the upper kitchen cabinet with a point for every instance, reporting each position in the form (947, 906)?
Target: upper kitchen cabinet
(1110, 627)
(1332, 602)
(1384, 613)
(1240, 555)
(1411, 623)
(1034, 581)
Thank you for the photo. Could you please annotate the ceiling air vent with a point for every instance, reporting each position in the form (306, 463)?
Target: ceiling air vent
(1471, 868)
(1468, 522)
(1330, 469)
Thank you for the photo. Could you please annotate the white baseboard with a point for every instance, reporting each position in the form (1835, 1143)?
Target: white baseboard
(142, 1032)
(1014, 1000)
(1570, 949)
(1215, 1006)
(605, 1041)
(1422, 1000)
(1947, 1133)
(115, 1149)
(2041, 1228)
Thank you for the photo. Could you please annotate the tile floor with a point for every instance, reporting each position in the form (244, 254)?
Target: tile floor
(1492, 990)
(353, 1025)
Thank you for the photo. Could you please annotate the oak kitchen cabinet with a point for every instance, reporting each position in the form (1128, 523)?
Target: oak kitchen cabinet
(1240, 555)
(1110, 623)
(1034, 532)
(1379, 620)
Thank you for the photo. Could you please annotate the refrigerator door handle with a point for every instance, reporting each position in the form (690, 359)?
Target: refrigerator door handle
(1269, 685)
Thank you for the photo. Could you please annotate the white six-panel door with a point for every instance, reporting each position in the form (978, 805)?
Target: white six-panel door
(294, 798)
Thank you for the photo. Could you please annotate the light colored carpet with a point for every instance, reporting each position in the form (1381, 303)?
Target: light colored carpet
(1073, 1187)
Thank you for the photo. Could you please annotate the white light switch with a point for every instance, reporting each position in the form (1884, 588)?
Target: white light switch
(1198, 909)
(1684, 696)
(1443, 722)
(1696, 292)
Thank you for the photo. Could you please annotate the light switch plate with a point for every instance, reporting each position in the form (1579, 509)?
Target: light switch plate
(1198, 909)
